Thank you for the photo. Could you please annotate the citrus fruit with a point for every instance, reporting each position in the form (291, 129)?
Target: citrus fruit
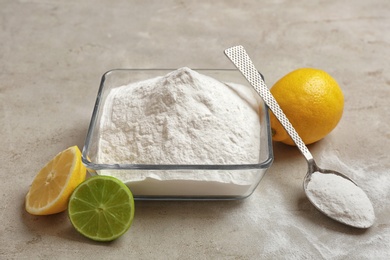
(52, 186)
(101, 208)
(313, 102)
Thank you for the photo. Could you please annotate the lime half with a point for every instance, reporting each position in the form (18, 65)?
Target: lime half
(101, 208)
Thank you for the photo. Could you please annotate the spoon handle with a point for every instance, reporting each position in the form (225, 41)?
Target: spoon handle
(241, 60)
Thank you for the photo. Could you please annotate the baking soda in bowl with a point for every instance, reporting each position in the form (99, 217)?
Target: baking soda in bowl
(181, 118)
(207, 183)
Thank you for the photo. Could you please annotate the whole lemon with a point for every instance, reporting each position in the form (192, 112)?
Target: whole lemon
(312, 101)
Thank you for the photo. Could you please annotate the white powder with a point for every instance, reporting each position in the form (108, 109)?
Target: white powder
(181, 118)
(341, 199)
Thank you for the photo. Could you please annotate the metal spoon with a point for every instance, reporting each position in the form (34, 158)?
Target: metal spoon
(241, 60)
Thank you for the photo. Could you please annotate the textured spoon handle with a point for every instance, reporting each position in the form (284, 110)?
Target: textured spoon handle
(241, 60)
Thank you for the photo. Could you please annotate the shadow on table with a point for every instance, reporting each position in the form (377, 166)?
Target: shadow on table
(56, 225)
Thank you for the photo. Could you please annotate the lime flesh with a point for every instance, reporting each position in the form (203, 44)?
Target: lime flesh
(101, 208)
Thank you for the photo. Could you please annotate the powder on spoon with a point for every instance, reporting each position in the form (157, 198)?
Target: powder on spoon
(341, 199)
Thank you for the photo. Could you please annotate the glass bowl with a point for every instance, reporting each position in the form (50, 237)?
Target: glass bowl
(189, 181)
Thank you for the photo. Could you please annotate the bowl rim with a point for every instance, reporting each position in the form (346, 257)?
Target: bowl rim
(264, 164)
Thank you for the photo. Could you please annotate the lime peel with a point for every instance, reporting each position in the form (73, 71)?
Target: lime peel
(101, 208)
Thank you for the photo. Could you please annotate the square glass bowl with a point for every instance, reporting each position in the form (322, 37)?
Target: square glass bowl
(190, 182)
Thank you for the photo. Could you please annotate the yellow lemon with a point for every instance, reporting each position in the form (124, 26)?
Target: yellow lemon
(52, 186)
(312, 101)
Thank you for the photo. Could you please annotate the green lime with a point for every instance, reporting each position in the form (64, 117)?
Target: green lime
(101, 208)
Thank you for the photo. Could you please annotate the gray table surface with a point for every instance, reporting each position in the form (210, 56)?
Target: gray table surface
(53, 54)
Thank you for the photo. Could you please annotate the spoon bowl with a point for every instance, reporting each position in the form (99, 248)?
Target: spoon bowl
(338, 196)
(312, 167)
(331, 192)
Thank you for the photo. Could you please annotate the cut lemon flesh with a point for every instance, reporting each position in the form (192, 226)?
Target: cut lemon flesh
(101, 208)
(52, 186)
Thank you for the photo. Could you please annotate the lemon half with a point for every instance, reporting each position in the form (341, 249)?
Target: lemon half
(52, 186)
